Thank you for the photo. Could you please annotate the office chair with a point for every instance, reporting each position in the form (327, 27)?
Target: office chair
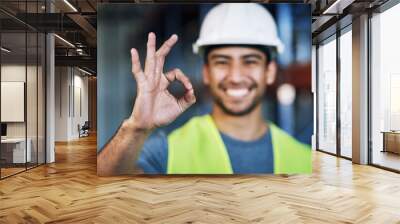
(84, 130)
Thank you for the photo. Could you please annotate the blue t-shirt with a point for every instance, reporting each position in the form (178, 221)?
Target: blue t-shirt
(246, 156)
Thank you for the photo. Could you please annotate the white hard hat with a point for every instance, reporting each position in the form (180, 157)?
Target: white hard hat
(238, 23)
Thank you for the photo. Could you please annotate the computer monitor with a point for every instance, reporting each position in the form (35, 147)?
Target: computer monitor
(3, 129)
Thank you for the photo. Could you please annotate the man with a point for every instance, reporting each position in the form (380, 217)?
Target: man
(238, 43)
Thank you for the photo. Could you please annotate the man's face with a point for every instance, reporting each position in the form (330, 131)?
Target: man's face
(237, 78)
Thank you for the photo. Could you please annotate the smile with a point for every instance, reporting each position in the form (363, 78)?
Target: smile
(237, 93)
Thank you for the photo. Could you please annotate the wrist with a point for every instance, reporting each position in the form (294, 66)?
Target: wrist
(132, 125)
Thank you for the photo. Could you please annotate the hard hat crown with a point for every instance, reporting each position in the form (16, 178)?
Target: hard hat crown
(238, 23)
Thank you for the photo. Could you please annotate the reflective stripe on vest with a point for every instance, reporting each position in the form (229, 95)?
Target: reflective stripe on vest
(197, 148)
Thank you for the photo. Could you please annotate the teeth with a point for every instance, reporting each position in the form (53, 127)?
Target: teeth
(237, 92)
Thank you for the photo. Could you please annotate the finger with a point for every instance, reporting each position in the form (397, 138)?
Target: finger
(150, 56)
(177, 74)
(187, 100)
(136, 66)
(170, 76)
(167, 45)
(163, 52)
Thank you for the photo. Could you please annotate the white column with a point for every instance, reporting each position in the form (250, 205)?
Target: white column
(360, 90)
(50, 93)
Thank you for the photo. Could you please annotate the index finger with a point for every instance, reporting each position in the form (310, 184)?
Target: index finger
(177, 74)
(167, 46)
(163, 51)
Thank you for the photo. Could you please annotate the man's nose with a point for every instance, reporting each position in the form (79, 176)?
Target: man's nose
(236, 73)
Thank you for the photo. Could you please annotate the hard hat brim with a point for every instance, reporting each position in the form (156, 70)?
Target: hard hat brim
(197, 46)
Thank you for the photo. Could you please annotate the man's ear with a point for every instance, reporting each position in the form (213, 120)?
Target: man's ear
(206, 75)
(270, 72)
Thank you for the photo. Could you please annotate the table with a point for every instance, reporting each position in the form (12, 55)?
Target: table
(391, 141)
(13, 150)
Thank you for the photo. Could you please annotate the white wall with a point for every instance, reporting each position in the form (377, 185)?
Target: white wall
(61, 103)
(80, 110)
(71, 93)
(15, 72)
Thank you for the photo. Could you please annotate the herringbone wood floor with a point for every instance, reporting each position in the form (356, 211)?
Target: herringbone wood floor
(70, 192)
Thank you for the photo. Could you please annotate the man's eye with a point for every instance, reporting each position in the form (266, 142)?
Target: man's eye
(251, 62)
(221, 62)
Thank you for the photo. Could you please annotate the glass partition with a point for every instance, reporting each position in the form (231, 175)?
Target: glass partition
(22, 78)
(385, 89)
(327, 95)
(346, 92)
(14, 151)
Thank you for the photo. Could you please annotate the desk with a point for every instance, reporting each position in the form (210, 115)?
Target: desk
(391, 141)
(15, 148)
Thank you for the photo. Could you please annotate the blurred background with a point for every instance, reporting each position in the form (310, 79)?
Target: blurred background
(288, 103)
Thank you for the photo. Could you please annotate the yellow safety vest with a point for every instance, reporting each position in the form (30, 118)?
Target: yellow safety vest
(197, 148)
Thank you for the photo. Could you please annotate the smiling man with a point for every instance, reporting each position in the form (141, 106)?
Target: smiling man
(238, 43)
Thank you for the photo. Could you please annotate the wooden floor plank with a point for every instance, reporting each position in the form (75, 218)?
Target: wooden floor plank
(69, 191)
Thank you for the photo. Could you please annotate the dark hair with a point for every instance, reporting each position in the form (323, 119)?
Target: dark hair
(269, 51)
